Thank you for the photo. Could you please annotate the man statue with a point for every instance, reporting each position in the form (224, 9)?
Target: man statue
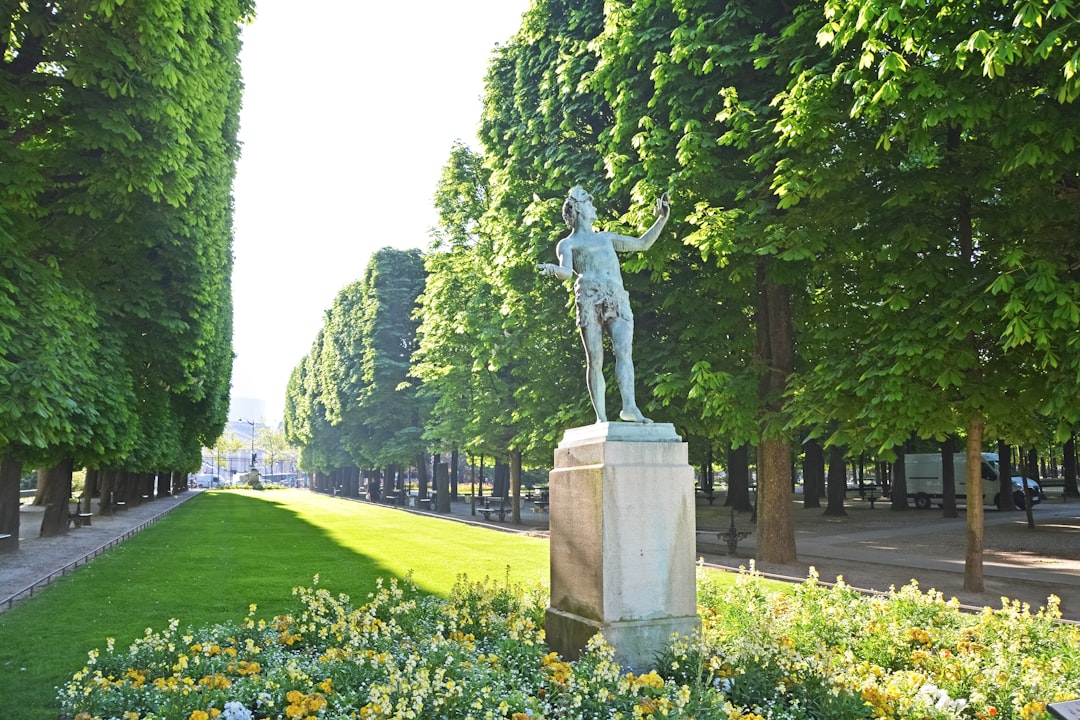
(602, 303)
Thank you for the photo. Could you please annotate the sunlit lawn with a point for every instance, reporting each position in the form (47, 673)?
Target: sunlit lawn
(213, 556)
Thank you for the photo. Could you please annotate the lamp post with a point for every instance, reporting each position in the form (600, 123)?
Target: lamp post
(252, 423)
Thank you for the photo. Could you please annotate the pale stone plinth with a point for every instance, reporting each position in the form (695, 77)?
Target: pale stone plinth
(622, 541)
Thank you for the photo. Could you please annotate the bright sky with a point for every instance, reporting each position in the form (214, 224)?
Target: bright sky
(350, 110)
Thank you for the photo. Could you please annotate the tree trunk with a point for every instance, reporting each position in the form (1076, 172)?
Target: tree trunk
(500, 484)
(776, 525)
(90, 489)
(515, 486)
(948, 478)
(898, 494)
(421, 472)
(442, 488)
(472, 486)
(1068, 462)
(1004, 490)
(776, 358)
(837, 482)
(973, 559)
(10, 474)
(121, 489)
(813, 473)
(164, 483)
(454, 461)
(42, 484)
(738, 493)
(106, 491)
(1033, 474)
(57, 481)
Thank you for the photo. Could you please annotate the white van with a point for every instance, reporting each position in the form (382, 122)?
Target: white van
(205, 481)
(924, 484)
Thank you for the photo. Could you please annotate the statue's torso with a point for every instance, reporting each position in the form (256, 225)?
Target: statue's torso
(594, 258)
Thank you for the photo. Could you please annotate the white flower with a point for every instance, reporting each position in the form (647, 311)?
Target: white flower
(235, 711)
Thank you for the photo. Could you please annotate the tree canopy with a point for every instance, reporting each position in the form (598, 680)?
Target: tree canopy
(119, 148)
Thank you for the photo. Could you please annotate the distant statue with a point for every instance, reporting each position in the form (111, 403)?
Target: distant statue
(602, 303)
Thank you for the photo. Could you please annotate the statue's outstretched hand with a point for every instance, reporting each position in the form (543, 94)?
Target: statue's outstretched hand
(663, 206)
(549, 268)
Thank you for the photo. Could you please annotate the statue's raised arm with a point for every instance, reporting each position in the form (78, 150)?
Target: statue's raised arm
(626, 243)
(603, 306)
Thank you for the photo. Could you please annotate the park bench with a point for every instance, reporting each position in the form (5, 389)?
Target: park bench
(541, 505)
(872, 493)
(487, 509)
(79, 519)
(708, 495)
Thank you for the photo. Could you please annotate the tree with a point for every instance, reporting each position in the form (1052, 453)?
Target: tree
(350, 402)
(392, 414)
(963, 176)
(118, 168)
(227, 444)
(275, 446)
(691, 86)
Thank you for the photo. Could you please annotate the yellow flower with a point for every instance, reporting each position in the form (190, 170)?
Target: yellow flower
(198, 715)
(1032, 710)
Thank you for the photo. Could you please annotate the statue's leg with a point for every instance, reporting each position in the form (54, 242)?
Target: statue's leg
(592, 337)
(622, 336)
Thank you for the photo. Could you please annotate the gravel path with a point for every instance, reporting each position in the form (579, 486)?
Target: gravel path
(879, 548)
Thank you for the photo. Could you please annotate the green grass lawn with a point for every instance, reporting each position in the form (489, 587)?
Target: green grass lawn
(217, 553)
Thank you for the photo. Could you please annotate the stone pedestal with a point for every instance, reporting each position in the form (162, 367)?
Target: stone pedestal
(622, 541)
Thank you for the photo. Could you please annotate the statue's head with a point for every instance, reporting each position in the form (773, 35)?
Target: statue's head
(577, 202)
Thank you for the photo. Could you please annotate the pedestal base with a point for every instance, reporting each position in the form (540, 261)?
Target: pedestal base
(622, 541)
(637, 643)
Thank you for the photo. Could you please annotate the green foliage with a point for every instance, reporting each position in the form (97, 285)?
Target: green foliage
(119, 149)
(350, 402)
(950, 284)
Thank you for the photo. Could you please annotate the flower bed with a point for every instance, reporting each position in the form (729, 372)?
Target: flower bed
(815, 652)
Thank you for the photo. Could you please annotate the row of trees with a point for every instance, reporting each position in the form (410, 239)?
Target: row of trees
(118, 144)
(873, 233)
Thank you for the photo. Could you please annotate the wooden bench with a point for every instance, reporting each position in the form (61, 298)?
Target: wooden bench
(541, 505)
(708, 495)
(871, 493)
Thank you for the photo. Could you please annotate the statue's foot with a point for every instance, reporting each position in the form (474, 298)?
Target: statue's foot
(632, 414)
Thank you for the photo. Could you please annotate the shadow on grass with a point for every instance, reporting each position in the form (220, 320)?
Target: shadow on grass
(212, 557)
